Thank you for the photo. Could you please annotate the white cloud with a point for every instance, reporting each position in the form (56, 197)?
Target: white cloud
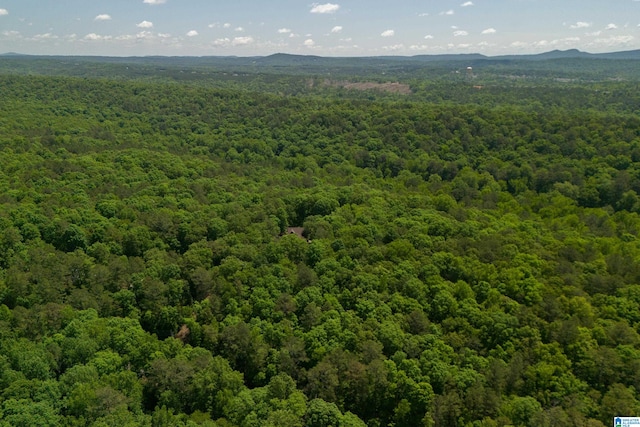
(221, 42)
(460, 33)
(145, 24)
(423, 14)
(154, 2)
(580, 24)
(219, 25)
(394, 48)
(10, 33)
(614, 41)
(241, 41)
(388, 33)
(284, 31)
(96, 37)
(566, 42)
(489, 31)
(467, 4)
(324, 8)
(4, 12)
(144, 35)
(611, 27)
(309, 43)
(192, 33)
(45, 36)
(336, 29)
(102, 17)
(239, 29)
(428, 37)
(447, 12)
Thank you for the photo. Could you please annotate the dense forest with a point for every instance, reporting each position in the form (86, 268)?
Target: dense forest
(280, 252)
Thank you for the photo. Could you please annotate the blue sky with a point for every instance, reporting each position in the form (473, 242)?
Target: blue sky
(335, 28)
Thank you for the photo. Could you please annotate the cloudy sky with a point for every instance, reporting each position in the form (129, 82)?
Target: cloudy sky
(336, 28)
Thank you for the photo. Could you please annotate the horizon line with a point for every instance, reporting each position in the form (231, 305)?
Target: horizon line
(572, 50)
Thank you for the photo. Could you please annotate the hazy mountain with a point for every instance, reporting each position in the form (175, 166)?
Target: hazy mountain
(291, 59)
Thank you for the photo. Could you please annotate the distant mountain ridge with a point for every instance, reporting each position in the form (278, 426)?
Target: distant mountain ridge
(567, 64)
(574, 53)
(287, 58)
(554, 54)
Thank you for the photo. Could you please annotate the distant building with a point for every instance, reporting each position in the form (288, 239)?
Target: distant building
(298, 231)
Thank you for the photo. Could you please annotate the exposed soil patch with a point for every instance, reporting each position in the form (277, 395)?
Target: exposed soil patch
(392, 87)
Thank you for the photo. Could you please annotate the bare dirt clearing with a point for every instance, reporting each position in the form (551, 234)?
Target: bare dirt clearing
(392, 87)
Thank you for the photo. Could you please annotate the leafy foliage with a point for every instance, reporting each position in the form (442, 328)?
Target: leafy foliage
(179, 254)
